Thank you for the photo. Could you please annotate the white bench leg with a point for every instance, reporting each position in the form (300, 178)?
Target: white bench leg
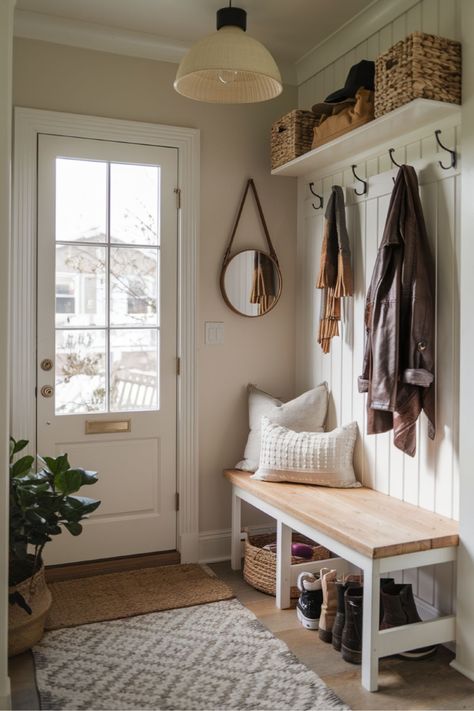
(370, 626)
(236, 545)
(283, 572)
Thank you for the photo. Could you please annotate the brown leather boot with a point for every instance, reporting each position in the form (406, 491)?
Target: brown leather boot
(399, 609)
(329, 606)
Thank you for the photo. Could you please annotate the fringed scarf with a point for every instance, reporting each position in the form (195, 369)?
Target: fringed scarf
(335, 274)
(263, 286)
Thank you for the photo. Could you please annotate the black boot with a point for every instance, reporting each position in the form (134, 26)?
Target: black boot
(400, 609)
(341, 587)
(351, 642)
(383, 583)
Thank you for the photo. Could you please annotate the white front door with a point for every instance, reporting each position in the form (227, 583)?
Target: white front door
(107, 325)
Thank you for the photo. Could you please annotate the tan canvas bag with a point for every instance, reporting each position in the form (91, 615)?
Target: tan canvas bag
(346, 120)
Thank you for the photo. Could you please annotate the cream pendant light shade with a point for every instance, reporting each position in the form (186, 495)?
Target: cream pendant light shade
(229, 67)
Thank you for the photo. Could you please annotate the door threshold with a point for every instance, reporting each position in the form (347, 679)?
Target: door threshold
(87, 568)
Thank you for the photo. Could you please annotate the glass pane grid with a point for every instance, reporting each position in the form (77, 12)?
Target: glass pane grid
(107, 290)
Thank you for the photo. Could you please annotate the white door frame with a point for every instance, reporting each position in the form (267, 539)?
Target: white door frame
(28, 124)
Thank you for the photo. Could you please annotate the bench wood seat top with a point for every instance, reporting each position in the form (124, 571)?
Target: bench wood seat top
(375, 524)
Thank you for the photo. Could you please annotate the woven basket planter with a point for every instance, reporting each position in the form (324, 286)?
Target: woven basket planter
(292, 135)
(260, 564)
(25, 630)
(420, 66)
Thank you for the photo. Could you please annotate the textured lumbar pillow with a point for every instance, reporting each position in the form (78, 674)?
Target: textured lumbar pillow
(323, 458)
(305, 413)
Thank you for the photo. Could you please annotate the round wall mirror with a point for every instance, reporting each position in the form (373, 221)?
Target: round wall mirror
(251, 283)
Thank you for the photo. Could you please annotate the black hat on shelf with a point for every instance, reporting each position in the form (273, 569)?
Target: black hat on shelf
(360, 75)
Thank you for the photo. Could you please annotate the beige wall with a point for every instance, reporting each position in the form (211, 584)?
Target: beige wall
(235, 145)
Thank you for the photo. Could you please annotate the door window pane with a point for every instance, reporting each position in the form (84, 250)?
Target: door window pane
(134, 286)
(80, 372)
(81, 200)
(134, 201)
(80, 285)
(134, 369)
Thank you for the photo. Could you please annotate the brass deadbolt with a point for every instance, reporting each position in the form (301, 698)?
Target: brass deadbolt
(46, 364)
(47, 391)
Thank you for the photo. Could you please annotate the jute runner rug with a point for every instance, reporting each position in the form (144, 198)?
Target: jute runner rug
(216, 656)
(136, 592)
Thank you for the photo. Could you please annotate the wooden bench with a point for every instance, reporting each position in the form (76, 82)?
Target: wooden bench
(375, 532)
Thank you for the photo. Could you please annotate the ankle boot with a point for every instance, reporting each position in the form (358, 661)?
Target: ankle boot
(341, 587)
(329, 606)
(351, 642)
(399, 609)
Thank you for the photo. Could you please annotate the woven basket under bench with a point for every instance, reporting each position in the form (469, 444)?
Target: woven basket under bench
(420, 66)
(260, 564)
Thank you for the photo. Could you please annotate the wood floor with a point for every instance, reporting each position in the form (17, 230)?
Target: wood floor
(429, 684)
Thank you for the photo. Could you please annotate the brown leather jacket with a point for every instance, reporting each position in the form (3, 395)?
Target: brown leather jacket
(398, 372)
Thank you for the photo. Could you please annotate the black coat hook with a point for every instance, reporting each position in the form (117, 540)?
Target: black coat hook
(364, 182)
(320, 198)
(391, 151)
(445, 148)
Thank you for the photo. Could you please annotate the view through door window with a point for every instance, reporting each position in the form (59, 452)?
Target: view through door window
(107, 286)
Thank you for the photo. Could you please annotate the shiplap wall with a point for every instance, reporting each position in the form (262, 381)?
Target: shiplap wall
(434, 16)
(430, 479)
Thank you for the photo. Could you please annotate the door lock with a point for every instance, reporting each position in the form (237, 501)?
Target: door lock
(46, 364)
(47, 391)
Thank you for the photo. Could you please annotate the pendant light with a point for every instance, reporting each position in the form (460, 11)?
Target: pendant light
(229, 67)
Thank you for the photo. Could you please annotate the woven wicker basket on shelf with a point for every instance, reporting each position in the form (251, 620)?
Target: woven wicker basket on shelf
(292, 135)
(260, 564)
(420, 66)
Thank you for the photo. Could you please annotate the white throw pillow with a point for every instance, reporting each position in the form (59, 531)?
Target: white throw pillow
(323, 458)
(305, 413)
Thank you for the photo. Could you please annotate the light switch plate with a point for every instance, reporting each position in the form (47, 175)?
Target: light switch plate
(214, 333)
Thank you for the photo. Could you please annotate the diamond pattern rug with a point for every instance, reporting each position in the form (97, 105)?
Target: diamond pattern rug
(211, 656)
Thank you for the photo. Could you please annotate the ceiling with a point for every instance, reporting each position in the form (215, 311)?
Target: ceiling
(289, 28)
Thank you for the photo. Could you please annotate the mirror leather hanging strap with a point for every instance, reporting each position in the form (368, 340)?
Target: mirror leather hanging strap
(250, 184)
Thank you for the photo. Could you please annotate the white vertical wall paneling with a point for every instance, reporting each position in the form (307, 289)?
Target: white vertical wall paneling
(456, 339)
(430, 479)
(432, 16)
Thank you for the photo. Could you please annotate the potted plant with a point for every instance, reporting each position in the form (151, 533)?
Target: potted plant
(42, 504)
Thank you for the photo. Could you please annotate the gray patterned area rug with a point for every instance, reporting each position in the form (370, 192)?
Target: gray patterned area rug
(212, 656)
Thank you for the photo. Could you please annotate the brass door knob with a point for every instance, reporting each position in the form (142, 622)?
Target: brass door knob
(47, 391)
(46, 364)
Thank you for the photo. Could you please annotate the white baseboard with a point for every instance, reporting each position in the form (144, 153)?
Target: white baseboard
(214, 546)
(462, 670)
(5, 695)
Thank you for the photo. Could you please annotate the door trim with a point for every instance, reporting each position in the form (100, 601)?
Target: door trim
(27, 125)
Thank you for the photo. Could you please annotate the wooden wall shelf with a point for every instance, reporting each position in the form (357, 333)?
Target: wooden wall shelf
(390, 127)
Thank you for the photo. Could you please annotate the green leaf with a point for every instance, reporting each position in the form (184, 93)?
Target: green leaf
(18, 446)
(74, 528)
(22, 466)
(67, 482)
(83, 503)
(34, 517)
(62, 463)
(87, 476)
(49, 463)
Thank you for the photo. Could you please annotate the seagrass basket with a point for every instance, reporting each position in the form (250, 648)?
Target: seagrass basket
(420, 66)
(292, 135)
(260, 564)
